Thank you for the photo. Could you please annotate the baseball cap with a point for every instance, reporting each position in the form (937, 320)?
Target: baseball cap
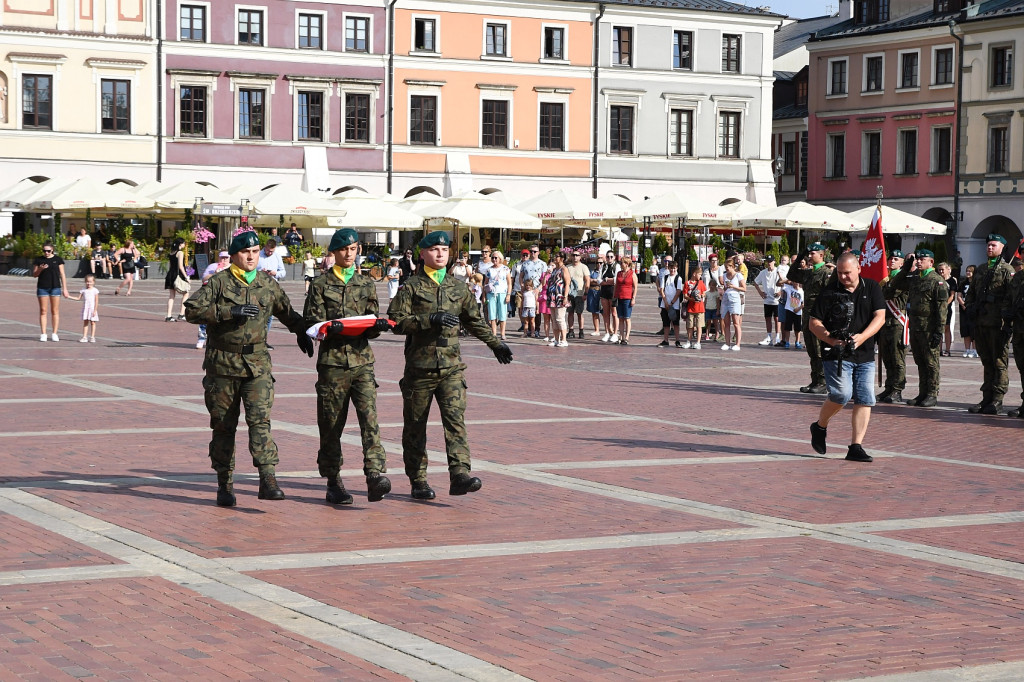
(525, 251)
(769, 258)
(223, 254)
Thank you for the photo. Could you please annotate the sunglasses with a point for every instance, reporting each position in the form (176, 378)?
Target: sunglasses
(535, 252)
(47, 251)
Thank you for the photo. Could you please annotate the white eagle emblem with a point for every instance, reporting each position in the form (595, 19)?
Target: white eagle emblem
(871, 254)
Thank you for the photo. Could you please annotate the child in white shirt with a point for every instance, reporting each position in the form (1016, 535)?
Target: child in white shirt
(90, 296)
(529, 312)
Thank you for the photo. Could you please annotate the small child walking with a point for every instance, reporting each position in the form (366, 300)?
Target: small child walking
(529, 308)
(90, 297)
(477, 287)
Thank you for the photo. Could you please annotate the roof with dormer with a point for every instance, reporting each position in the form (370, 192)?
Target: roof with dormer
(981, 11)
(705, 5)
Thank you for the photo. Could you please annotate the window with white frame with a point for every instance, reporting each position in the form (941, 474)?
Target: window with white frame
(729, 134)
(730, 53)
(554, 42)
(311, 31)
(874, 73)
(551, 134)
(622, 46)
(115, 105)
(494, 123)
(357, 34)
(37, 101)
(1001, 66)
(192, 23)
(621, 128)
(192, 110)
(680, 132)
(423, 119)
(789, 157)
(252, 112)
(357, 117)
(496, 39)
(309, 115)
(835, 155)
(871, 153)
(424, 34)
(910, 63)
(906, 151)
(251, 27)
(682, 50)
(837, 70)
(943, 69)
(942, 149)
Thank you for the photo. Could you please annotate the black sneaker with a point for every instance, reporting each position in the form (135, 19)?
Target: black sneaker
(818, 434)
(665, 344)
(856, 454)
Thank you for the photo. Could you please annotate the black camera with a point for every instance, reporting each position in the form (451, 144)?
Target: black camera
(838, 317)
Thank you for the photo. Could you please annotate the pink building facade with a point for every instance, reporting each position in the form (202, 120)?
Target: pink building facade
(882, 112)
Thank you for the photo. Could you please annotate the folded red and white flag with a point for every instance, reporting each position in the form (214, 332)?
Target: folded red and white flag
(353, 326)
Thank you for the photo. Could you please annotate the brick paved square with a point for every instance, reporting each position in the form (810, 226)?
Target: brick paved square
(997, 540)
(30, 387)
(26, 547)
(761, 609)
(149, 628)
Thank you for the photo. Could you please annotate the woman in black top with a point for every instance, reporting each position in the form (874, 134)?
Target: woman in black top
(51, 284)
(946, 272)
(175, 265)
(126, 257)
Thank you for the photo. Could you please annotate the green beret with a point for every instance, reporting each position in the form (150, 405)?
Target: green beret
(855, 252)
(245, 240)
(816, 246)
(924, 253)
(346, 236)
(438, 237)
(996, 238)
(896, 253)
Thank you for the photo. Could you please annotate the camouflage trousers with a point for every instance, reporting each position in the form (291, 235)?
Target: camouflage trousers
(335, 388)
(894, 356)
(418, 391)
(927, 360)
(995, 355)
(812, 344)
(224, 397)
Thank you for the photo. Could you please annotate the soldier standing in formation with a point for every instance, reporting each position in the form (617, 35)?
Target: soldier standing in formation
(891, 348)
(236, 305)
(813, 277)
(428, 311)
(345, 368)
(1016, 319)
(987, 302)
(927, 295)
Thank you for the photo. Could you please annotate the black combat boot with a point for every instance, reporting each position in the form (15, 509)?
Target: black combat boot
(464, 483)
(927, 401)
(336, 493)
(268, 485)
(993, 407)
(885, 396)
(377, 487)
(1019, 412)
(817, 389)
(914, 401)
(422, 491)
(986, 400)
(225, 490)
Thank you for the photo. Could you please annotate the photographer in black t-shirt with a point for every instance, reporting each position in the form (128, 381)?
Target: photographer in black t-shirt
(847, 314)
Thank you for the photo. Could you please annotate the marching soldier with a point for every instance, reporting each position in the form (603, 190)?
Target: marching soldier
(1016, 319)
(987, 301)
(813, 278)
(428, 310)
(236, 305)
(891, 346)
(345, 368)
(927, 295)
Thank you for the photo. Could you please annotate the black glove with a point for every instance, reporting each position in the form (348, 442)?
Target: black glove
(444, 319)
(908, 263)
(1007, 331)
(244, 312)
(935, 340)
(503, 353)
(305, 343)
(335, 328)
(382, 324)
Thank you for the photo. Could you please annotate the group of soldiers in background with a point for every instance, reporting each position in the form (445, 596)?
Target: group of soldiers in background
(917, 300)
(237, 303)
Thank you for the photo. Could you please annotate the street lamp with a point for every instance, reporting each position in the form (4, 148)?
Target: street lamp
(777, 167)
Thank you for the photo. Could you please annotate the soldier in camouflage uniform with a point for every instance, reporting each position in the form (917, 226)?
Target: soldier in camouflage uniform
(813, 278)
(428, 310)
(236, 305)
(891, 348)
(345, 368)
(1016, 320)
(927, 294)
(988, 302)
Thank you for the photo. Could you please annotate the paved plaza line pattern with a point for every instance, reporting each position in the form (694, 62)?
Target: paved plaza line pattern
(222, 579)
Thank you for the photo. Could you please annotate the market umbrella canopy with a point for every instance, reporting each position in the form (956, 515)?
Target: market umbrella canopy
(800, 214)
(288, 201)
(22, 193)
(895, 221)
(473, 209)
(419, 200)
(85, 194)
(183, 195)
(559, 205)
(368, 211)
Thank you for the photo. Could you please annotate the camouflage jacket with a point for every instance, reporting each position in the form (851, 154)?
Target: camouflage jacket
(812, 280)
(926, 299)
(431, 346)
(896, 295)
(328, 299)
(211, 306)
(988, 299)
(1016, 312)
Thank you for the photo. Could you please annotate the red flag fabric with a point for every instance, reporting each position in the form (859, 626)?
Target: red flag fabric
(872, 258)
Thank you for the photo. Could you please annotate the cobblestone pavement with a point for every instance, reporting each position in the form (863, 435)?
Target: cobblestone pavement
(647, 513)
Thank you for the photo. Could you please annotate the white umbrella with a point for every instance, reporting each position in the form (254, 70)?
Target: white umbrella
(368, 211)
(895, 221)
(85, 194)
(799, 214)
(22, 193)
(558, 205)
(473, 209)
(312, 210)
(419, 200)
(183, 195)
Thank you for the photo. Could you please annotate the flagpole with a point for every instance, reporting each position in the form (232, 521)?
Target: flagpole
(878, 356)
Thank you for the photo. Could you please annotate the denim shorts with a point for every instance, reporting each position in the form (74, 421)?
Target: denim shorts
(42, 293)
(624, 308)
(857, 382)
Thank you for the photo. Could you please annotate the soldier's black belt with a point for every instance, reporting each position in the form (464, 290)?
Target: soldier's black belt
(244, 349)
